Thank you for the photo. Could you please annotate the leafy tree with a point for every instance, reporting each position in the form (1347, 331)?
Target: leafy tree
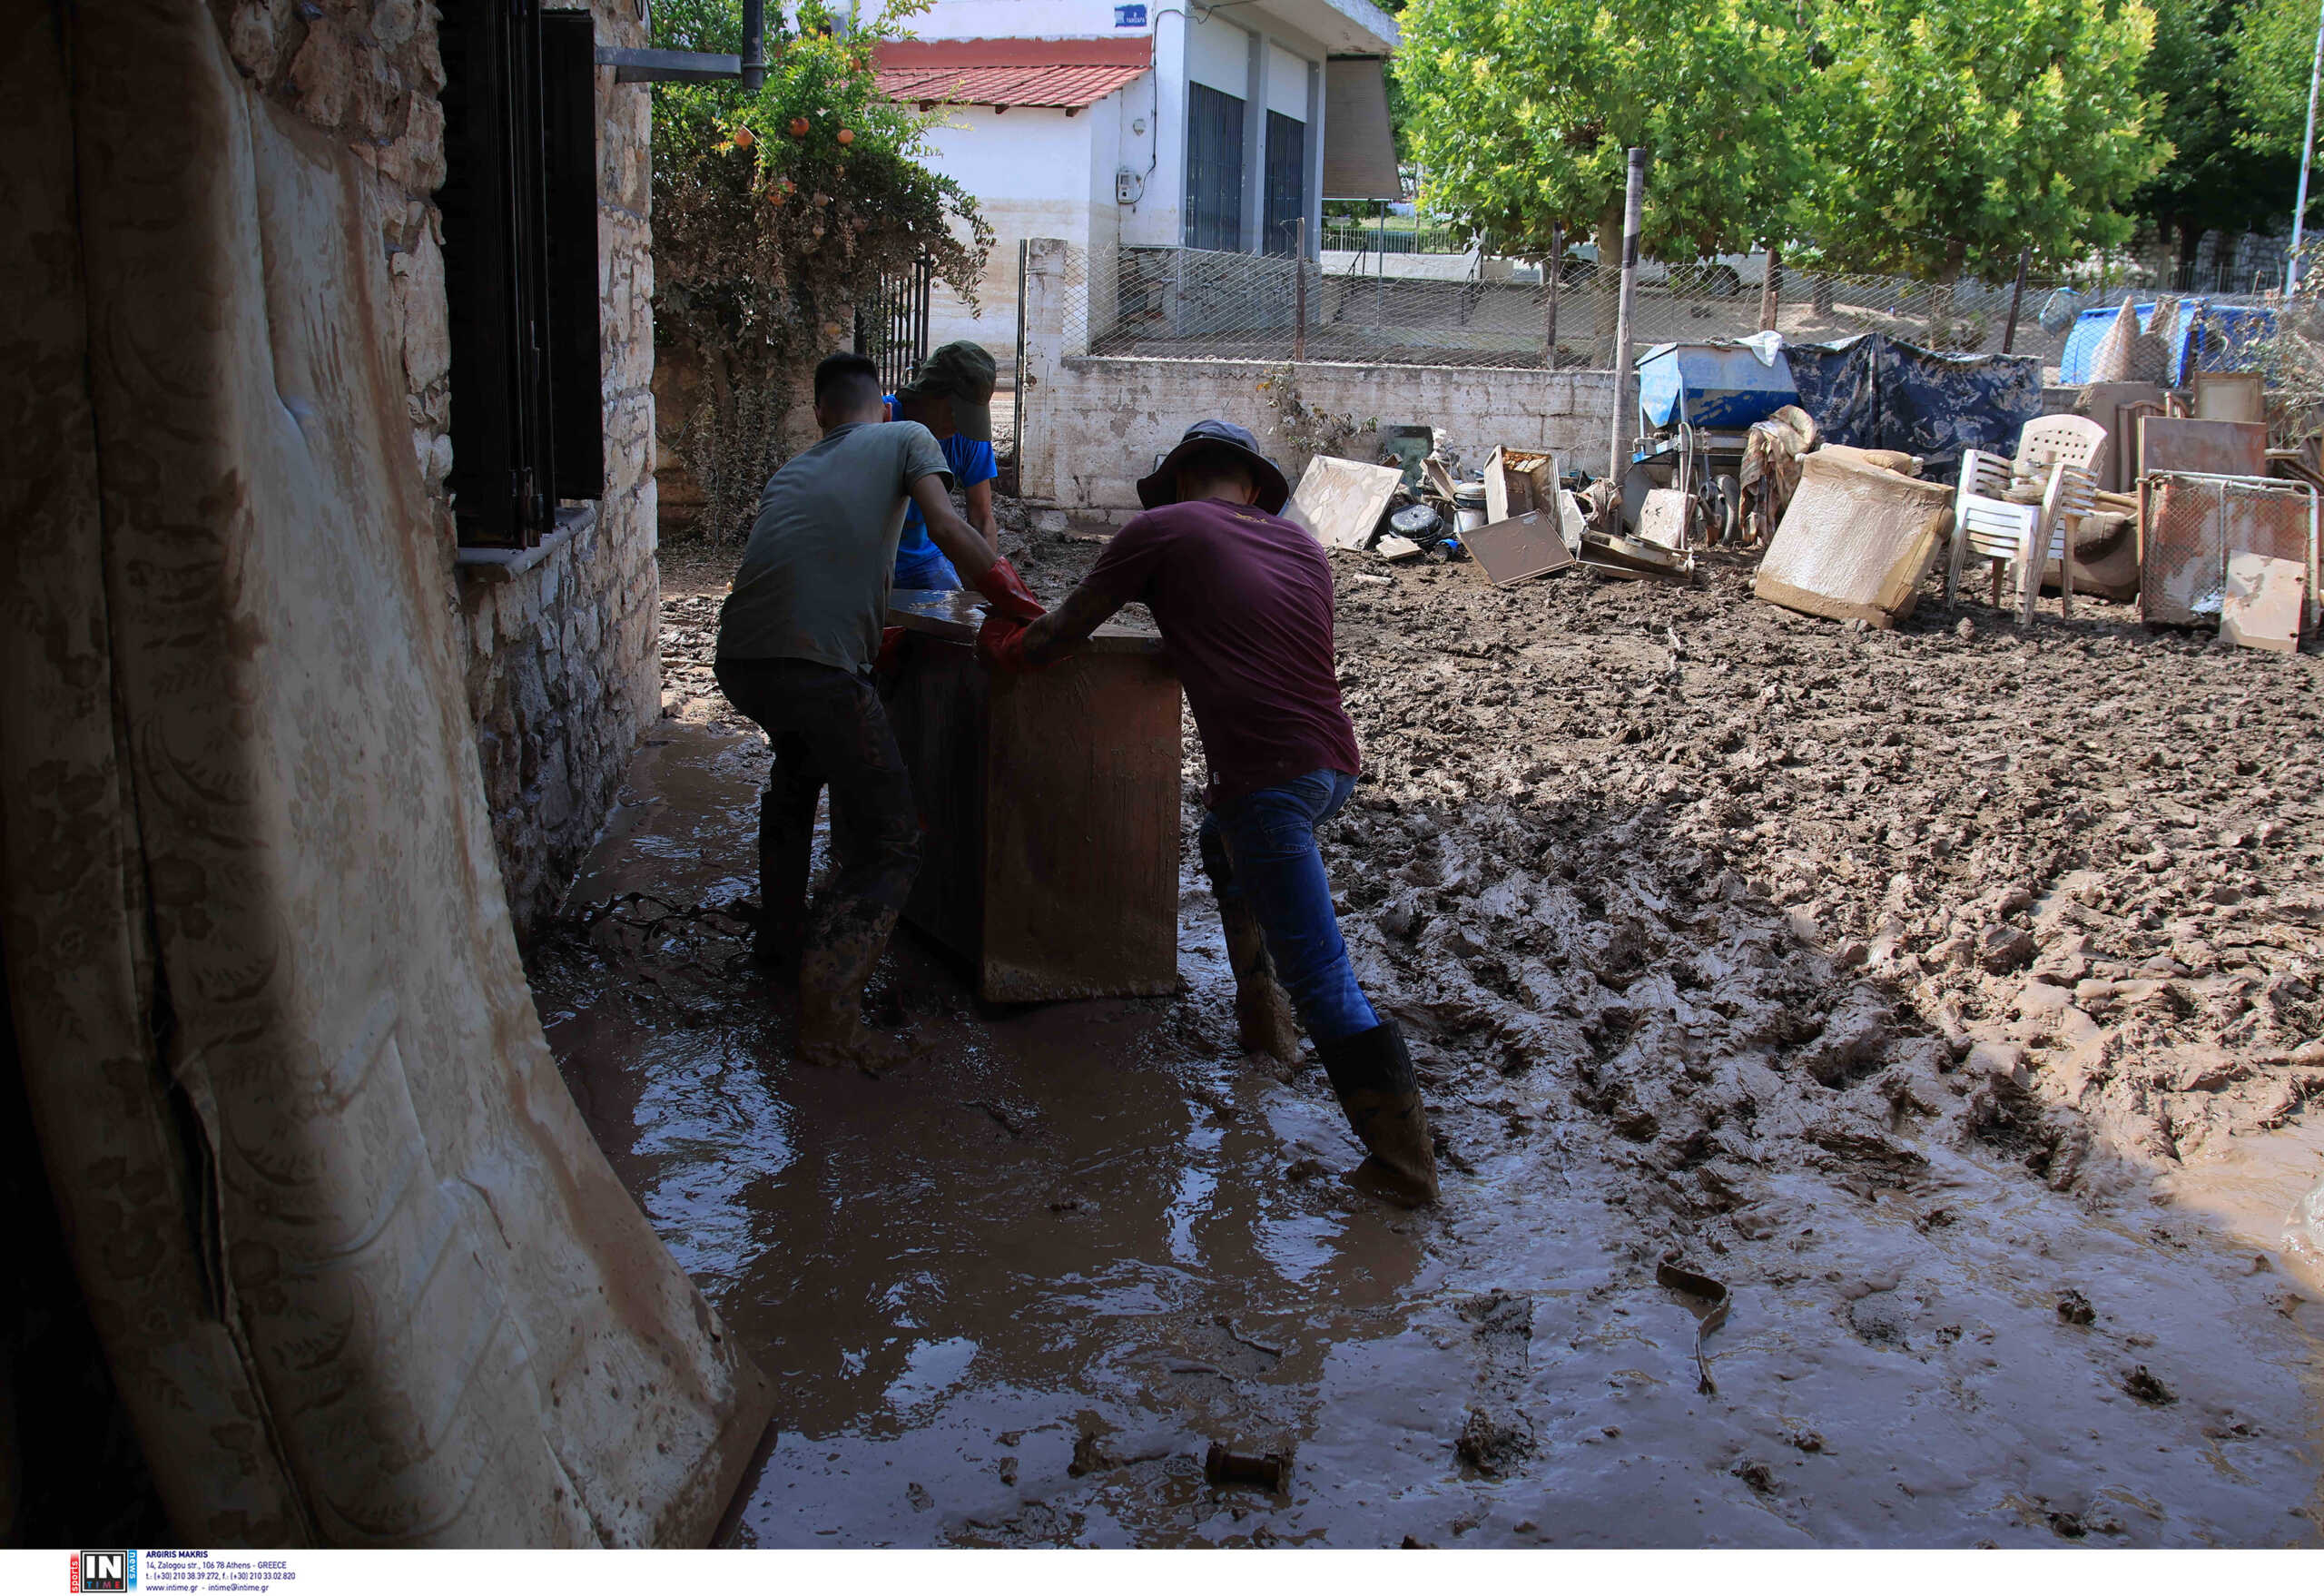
(2215, 179)
(1521, 115)
(1950, 134)
(772, 211)
(2270, 59)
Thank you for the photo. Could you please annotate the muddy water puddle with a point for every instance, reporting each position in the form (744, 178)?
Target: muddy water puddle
(1013, 1292)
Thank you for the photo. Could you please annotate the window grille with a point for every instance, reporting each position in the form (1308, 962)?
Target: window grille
(519, 203)
(1287, 182)
(891, 325)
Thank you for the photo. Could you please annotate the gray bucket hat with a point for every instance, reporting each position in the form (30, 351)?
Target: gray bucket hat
(1162, 487)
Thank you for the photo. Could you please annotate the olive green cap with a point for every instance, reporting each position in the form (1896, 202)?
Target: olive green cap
(964, 373)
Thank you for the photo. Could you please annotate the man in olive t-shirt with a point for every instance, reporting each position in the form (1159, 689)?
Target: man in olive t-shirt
(796, 644)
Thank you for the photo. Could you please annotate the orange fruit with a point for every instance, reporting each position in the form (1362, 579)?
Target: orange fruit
(846, 136)
(744, 138)
(798, 127)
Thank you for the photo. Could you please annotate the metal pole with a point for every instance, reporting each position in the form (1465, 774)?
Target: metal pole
(2016, 298)
(1770, 290)
(1557, 270)
(1633, 207)
(1299, 295)
(2307, 153)
(753, 44)
(1017, 392)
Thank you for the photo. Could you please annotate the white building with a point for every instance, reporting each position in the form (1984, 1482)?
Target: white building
(1114, 126)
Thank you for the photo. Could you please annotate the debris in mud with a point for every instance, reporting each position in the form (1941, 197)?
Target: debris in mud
(1755, 1475)
(1805, 1439)
(1710, 1302)
(1226, 1322)
(1018, 1122)
(2143, 1386)
(1036, 1525)
(1270, 1471)
(917, 1494)
(2074, 1308)
(1090, 1455)
(1495, 1441)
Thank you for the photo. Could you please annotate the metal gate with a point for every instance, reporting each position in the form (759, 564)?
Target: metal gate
(892, 323)
(2192, 521)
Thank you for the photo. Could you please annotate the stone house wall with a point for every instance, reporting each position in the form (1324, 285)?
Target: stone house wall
(562, 653)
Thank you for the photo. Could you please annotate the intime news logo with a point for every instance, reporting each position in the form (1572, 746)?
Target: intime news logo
(104, 1570)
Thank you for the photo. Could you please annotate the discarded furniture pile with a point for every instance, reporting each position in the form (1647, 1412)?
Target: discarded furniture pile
(1852, 468)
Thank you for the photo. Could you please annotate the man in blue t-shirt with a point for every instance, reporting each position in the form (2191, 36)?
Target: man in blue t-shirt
(952, 397)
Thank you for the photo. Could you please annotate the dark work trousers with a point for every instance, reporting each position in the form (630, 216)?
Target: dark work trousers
(829, 729)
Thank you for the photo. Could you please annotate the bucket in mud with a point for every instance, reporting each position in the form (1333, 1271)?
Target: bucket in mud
(1468, 507)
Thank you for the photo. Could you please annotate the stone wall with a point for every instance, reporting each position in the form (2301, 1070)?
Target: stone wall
(562, 646)
(1094, 424)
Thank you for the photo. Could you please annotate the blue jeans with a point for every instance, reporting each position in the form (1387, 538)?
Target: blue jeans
(924, 566)
(1260, 850)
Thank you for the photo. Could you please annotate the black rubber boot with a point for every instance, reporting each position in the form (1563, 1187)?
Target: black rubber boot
(1372, 1075)
(1263, 1019)
(843, 944)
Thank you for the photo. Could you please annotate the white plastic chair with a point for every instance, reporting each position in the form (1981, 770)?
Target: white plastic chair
(2023, 511)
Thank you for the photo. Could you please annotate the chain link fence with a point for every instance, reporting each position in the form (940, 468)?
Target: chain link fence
(1374, 306)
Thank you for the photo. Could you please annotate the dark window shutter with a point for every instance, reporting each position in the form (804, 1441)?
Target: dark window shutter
(1286, 193)
(569, 116)
(520, 266)
(1213, 218)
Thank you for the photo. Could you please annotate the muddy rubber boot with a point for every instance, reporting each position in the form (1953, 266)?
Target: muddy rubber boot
(1263, 1017)
(1372, 1075)
(842, 949)
(776, 947)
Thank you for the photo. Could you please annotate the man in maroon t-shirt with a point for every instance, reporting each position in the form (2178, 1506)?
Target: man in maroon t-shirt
(1243, 600)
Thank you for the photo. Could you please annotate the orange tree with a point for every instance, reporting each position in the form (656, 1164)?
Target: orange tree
(774, 211)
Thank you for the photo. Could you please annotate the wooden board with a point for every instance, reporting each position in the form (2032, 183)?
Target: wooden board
(1341, 501)
(2261, 608)
(1048, 807)
(1081, 831)
(1519, 548)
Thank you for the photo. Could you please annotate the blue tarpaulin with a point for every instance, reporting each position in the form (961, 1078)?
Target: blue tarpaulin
(1724, 387)
(1873, 392)
(2203, 336)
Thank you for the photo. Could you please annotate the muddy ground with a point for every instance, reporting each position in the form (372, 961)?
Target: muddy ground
(1948, 995)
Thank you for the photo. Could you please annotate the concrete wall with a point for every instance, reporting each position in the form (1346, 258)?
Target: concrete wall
(1036, 172)
(562, 668)
(1093, 425)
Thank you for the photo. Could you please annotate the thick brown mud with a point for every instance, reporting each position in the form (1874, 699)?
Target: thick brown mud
(1628, 864)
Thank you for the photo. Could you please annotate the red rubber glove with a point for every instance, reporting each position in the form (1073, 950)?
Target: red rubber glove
(1001, 643)
(1005, 594)
(890, 656)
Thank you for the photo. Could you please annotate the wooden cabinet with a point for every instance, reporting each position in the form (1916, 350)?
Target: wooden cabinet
(1049, 806)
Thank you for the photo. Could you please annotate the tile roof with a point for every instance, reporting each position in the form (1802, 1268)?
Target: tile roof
(1068, 73)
